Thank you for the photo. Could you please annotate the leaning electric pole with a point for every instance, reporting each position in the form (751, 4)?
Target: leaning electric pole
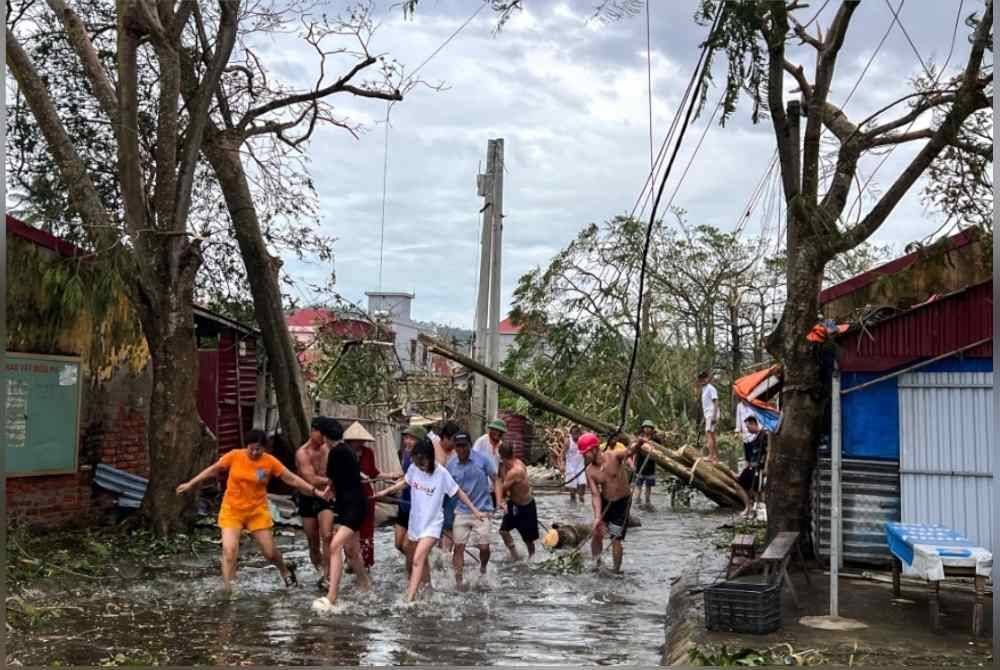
(486, 348)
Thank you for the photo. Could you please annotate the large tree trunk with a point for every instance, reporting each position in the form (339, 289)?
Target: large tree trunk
(176, 448)
(793, 448)
(262, 274)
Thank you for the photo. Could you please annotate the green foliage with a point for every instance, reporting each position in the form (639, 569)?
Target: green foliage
(738, 37)
(722, 657)
(706, 306)
(53, 293)
(570, 563)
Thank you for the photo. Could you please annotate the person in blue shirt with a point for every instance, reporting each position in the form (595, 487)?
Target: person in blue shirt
(477, 476)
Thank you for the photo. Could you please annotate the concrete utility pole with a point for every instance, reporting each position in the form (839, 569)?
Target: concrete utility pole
(487, 342)
(492, 390)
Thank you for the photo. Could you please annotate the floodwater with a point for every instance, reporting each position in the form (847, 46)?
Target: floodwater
(518, 614)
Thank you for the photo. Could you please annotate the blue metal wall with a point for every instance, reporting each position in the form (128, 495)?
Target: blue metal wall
(871, 416)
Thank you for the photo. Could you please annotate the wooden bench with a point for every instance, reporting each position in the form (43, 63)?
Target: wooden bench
(742, 552)
(776, 558)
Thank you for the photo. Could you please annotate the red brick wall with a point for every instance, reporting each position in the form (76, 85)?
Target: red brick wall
(112, 431)
(50, 500)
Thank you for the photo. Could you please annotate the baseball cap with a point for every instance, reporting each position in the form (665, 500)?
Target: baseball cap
(587, 442)
(462, 438)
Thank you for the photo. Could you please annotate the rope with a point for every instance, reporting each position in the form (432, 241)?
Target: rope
(703, 63)
(695, 467)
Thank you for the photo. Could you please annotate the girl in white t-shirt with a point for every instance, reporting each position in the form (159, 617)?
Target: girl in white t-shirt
(429, 484)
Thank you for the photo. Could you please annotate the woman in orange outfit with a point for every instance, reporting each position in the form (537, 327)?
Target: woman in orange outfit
(244, 505)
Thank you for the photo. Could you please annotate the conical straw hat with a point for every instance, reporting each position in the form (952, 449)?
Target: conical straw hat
(357, 432)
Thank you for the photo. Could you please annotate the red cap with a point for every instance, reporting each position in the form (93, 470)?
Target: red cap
(587, 442)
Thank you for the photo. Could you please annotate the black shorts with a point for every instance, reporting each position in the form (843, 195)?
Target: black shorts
(351, 512)
(616, 516)
(311, 506)
(750, 479)
(403, 516)
(523, 519)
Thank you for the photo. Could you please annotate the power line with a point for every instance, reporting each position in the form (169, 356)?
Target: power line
(450, 38)
(700, 78)
(906, 33)
(694, 153)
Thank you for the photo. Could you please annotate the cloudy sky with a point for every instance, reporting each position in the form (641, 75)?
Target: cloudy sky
(569, 96)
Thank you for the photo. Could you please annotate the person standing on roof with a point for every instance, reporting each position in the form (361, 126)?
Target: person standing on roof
(316, 513)
(645, 467)
(475, 474)
(574, 470)
(610, 495)
(710, 408)
(244, 505)
(489, 444)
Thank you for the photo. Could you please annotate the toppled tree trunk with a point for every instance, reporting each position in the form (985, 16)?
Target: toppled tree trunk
(708, 478)
(566, 536)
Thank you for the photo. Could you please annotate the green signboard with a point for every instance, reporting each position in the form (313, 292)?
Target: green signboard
(43, 414)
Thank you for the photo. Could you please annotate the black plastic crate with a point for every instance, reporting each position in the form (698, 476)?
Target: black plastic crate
(743, 607)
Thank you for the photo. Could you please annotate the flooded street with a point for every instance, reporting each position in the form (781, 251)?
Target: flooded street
(520, 614)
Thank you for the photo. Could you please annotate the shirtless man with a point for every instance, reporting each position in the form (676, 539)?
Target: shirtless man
(610, 495)
(514, 493)
(316, 513)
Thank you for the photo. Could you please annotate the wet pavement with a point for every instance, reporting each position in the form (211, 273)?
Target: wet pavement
(518, 614)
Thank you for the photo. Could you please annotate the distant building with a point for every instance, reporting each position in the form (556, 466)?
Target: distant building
(395, 309)
(508, 332)
(308, 325)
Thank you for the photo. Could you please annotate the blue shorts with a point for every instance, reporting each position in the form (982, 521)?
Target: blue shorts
(449, 512)
(645, 481)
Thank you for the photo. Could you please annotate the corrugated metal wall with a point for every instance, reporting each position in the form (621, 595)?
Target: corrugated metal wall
(945, 424)
(388, 438)
(871, 497)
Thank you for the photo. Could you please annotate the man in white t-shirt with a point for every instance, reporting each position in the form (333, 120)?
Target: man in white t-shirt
(489, 444)
(710, 408)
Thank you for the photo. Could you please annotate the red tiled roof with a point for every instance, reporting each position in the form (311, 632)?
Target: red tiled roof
(508, 328)
(853, 284)
(311, 317)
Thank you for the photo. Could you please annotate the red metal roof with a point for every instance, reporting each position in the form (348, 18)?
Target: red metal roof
(507, 327)
(935, 328)
(310, 317)
(853, 284)
(39, 237)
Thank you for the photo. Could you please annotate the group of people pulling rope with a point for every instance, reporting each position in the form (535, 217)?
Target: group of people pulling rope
(448, 491)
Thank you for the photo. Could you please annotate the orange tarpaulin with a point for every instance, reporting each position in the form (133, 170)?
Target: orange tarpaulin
(756, 384)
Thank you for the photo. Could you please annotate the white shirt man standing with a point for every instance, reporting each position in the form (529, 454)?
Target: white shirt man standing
(489, 444)
(710, 408)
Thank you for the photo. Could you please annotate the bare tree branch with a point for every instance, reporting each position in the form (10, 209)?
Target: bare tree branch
(969, 99)
(76, 33)
(826, 65)
(342, 84)
(199, 107)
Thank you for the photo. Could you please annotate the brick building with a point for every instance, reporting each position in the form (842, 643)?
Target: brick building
(78, 380)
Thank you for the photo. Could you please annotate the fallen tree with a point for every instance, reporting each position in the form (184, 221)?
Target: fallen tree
(713, 480)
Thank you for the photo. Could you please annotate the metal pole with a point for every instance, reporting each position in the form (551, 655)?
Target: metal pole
(485, 185)
(996, 398)
(492, 390)
(835, 510)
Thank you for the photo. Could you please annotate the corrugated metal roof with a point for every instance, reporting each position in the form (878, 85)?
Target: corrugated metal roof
(932, 329)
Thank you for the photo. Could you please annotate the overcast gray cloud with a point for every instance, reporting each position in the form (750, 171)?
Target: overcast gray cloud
(569, 97)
